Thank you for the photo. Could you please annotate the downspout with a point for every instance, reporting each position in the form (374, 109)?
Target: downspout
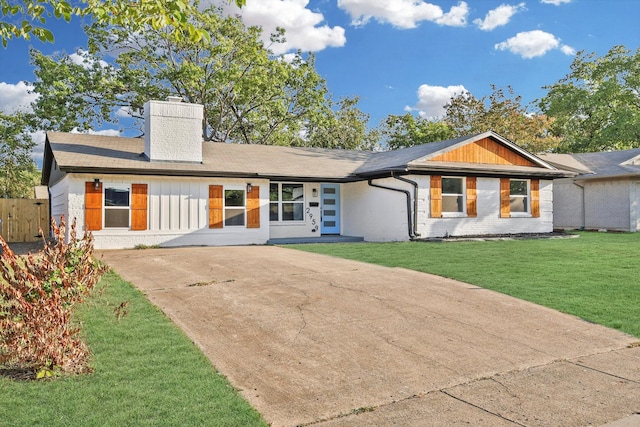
(584, 207)
(415, 202)
(408, 194)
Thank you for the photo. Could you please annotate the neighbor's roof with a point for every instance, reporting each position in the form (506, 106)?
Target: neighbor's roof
(603, 165)
(82, 153)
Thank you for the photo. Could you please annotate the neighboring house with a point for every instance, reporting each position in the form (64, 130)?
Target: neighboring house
(172, 189)
(605, 193)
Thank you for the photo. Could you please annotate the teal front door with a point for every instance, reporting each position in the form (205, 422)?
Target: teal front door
(330, 206)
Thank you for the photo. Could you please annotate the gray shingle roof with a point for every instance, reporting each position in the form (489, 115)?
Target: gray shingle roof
(607, 164)
(95, 153)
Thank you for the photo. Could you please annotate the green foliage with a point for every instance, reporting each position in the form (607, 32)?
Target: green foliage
(37, 296)
(146, 372)
(345, 128)
(249, 96)
(596, 107)
(18, 173)
(593, 277)
(407, 131)
(24, 19)
(503, 113)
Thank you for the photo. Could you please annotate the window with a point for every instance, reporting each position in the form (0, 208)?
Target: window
(234, 208)
(286, 202)
(116, 207)
(519, 196)
(453, 195)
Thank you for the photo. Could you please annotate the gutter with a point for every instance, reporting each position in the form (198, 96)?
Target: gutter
(407, 193)
(415, 202)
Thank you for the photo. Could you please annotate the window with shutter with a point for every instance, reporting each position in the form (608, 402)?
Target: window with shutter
(472, 210)
(436, 196)
(253, 207)
(216, 206)
(139, 207)
(92, 206)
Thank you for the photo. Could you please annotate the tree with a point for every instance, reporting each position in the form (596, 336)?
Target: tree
(344, 128)
(27, 18)
(596, 106)
(18, 173)
(249, 96)
(504, 114)
(407, 131)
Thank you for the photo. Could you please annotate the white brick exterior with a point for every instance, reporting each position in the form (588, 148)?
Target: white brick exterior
(173, 131)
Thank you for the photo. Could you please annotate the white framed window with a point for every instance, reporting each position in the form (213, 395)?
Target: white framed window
(234, 208)
(117, 203)
(286, 202)
(453, 196)
(519, 197)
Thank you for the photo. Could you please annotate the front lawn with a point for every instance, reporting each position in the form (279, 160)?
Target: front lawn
(595, 276)
(146, 373)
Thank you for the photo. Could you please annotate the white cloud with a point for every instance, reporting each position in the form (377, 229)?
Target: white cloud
(555, 2)
(81, 57)
(432, 99)
(530, 44)
(104, 132)
(14, 97)
(304, 29)
(568, 50)
(403, 13)
(498, 16)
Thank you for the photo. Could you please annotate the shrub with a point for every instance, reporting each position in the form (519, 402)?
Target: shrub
(37, 296)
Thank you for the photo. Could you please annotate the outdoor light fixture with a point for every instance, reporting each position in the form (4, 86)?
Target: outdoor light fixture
(249, 187)
(314, 192)
(96, 183)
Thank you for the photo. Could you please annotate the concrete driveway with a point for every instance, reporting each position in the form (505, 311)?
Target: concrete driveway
(311, 339)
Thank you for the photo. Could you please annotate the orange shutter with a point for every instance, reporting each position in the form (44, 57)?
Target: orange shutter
(472, 210)
(535, 198)
(253, 207)
(505, 196)
(138, 206)
(92, 206)
(215, 206)
(436, 196)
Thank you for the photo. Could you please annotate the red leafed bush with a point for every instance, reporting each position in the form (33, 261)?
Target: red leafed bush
(37, 296)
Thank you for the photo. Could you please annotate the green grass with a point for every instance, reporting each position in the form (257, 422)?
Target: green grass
(595, 277)
(146, 373)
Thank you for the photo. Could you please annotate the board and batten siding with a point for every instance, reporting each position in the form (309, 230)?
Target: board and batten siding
(177, 211)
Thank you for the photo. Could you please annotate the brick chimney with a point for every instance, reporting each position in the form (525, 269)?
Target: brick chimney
(173, 131)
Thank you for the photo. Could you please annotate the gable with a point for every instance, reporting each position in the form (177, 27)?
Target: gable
(486, 151)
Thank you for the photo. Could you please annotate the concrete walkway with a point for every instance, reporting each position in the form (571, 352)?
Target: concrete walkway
(314, 340)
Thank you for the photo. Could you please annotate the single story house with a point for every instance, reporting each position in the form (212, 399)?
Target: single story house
(171, 189)
(604, 194)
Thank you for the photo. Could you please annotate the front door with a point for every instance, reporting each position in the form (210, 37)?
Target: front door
(330, 205)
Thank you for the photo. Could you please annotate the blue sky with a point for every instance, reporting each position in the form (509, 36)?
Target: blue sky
(405, 55)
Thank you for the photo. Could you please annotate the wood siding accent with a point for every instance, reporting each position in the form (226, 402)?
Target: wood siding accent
(505, 195)
(216, 206)
(472, 210)
(92, 206)
(253, 207)
(486, 151)
(436, 196)
(535, 198)
(139, 204)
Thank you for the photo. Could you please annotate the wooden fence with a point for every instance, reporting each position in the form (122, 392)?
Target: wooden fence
(21, 219)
